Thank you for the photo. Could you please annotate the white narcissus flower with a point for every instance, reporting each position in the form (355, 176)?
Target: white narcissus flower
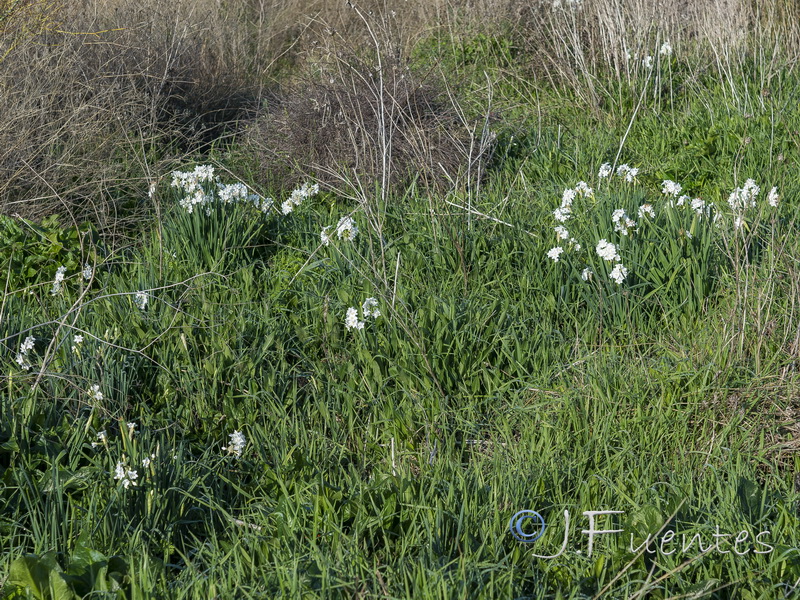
(267, 204)
(23, 362)
(126, 476)
(346, 229)
(622, 222)
(27, 345)
(58, 279)
(586, 274)
(647, 209)
(232, 192)
(618, 273)
(204, 173)
(132, 477)
(666, 49)
(606, 250)
(605, 170)
(561, 233)
(324, 236)
(562, 214)
(744, 197)
(698, 206)
(140, 299)
(629, 173)
(102, 436)
(773, 198)
(237, 444)
(554, 253)
(370, 308)
(751, 188)
(297, 196)
(670, 188)
(190, 183)
(351, 319)
(583, 189)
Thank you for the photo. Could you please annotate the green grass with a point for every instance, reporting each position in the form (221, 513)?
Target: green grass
(387, 462)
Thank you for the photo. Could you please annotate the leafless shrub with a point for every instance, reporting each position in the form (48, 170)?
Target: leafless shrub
(21, 19)
(89, 107)
(348, 126)
(98, 97)
(360, 116)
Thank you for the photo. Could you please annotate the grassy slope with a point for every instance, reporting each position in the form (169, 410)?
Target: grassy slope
(387, 462)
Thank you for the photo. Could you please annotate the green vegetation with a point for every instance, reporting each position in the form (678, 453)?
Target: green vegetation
(190, 411)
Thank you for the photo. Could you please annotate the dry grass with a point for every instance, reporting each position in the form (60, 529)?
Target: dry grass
(99, 96)
(578, 48)
(355, 124)
(358, 116)
(97, 105)
(114, 92)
